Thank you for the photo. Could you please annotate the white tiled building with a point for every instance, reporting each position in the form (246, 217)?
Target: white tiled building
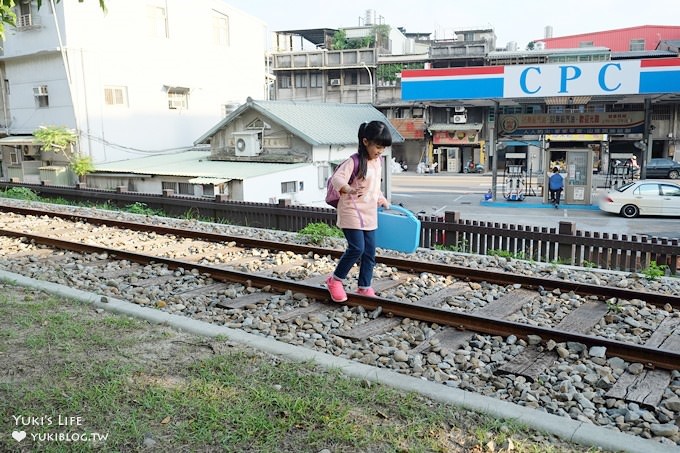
(146, 77)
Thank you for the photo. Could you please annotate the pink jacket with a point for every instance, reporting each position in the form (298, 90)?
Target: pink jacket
(367, 200)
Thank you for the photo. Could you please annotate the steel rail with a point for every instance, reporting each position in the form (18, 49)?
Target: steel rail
(460, 272)
(650, 357)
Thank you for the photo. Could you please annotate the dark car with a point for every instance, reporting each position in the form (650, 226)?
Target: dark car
(663, 168)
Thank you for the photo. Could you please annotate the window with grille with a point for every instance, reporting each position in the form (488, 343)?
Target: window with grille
(284, 81)
(115, 96)
(221, 29)
(316, 80)
(165, 185)
(178, 99)
(14, 157)
(186, 188)
(40, 94)
(25, 18)
(324, 172)
(300, 80)
(158, 21)
(637, 44)
(208, 190)
(288, 187)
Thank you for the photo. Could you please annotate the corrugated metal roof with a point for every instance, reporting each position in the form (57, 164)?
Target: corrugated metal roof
(618, 40)
(193, 164)
(547, 52)
(318, 123)
(19, 140)
(635, 54)
(455, 127)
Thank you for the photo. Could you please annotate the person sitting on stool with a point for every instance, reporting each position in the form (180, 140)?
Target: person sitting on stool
(555, 186)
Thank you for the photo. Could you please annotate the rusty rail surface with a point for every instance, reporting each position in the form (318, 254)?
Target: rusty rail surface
(407, 264)
(566, 245)
(650, 357)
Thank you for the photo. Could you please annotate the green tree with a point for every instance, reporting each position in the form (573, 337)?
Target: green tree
(60, 140)
(56, 138)
(9, 17)
(382, 35)
(340, 40)
(82, 166)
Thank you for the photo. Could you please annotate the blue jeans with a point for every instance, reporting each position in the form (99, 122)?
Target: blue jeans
(360, 246)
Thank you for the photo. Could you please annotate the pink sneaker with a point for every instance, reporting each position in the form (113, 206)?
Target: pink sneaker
(336, 289)
(366, 292)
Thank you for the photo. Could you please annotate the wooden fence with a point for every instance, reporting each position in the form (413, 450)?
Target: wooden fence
(563, 244)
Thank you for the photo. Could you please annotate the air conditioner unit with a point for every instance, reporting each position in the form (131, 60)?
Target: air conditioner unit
(246, 144)
(176, 104)
(460, 119)
(335, 82)
(30, 150)
(459, 109)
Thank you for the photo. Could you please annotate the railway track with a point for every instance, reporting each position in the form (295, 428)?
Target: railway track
(275, 288)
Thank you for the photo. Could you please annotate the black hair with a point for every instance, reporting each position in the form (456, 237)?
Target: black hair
(375, 132)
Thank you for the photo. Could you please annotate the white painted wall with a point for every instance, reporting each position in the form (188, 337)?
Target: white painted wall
(117, 49)
(262, 188)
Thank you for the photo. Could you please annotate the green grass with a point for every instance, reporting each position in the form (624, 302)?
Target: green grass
(316, 233)
(506, 254)
(130, 380)
(654, 270)
(20, 193)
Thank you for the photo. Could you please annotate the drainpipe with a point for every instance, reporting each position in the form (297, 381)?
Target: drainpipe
(67, 67)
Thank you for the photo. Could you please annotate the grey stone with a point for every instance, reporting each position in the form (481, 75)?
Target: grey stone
(597, 351)
(664, 430)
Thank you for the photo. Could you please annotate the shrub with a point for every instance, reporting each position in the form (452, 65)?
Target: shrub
(21, 193)
(316, 233)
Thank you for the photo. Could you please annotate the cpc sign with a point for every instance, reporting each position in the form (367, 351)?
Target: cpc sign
(572, 79)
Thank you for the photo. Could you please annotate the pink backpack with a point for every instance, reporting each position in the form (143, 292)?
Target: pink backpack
(332, 195)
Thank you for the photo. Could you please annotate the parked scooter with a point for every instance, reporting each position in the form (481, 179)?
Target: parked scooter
(471, 167)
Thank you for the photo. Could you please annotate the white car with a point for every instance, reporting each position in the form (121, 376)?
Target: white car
(646, 197)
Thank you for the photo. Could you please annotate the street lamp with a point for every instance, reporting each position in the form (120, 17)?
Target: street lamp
(370, 78)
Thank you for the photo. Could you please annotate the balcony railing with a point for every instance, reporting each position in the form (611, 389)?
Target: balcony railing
(27, 21)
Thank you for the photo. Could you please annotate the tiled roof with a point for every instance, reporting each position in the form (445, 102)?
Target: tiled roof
(192, 164)
(318, 123)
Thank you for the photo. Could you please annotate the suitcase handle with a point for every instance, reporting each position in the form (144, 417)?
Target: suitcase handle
(396, 207)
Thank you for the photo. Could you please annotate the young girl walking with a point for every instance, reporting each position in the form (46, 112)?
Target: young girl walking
(358, 209)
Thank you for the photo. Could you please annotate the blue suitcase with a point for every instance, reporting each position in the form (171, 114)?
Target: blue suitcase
(400, 232)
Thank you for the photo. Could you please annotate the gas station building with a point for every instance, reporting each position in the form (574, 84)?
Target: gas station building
(584, 117)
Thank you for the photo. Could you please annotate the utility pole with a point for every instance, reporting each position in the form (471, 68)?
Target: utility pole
(647, 138)
(493, 142)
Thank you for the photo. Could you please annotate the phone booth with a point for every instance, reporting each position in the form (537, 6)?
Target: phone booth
(576, 166)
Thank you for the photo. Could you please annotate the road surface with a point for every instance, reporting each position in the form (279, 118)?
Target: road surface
(464, 193)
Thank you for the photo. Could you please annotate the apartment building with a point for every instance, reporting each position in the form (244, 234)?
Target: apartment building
(144, 78)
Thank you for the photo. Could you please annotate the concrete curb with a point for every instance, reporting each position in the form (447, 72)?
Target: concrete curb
(565, 428)
(530, 205)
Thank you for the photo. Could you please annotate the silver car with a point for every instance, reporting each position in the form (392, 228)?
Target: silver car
(646, 197)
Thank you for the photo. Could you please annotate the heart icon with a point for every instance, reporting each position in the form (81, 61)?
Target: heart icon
(19, 435)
